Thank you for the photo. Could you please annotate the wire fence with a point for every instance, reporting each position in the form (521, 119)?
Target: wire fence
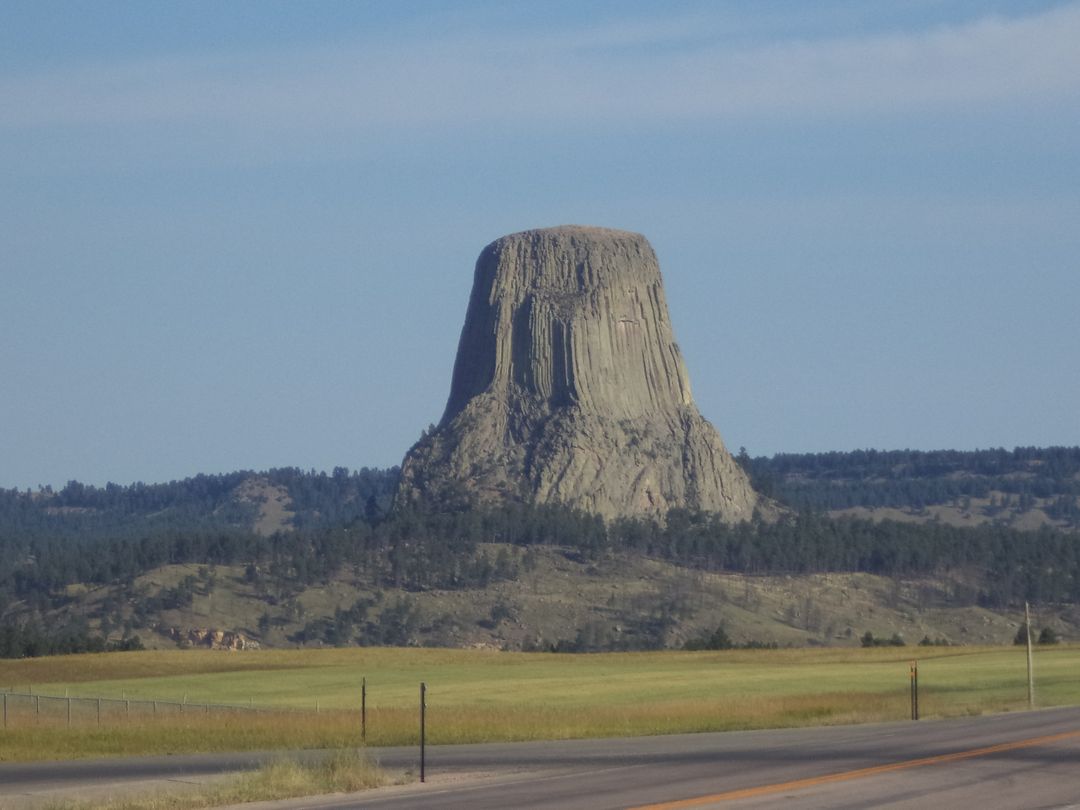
(22, 709)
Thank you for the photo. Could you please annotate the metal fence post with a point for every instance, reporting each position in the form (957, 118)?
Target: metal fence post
(69, 712)
(1030, 669)
(363, 710)
(911, 687)
(423, 711)
(914, 690)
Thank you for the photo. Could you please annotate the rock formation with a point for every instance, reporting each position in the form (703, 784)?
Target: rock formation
(569, 387)
(214, 639)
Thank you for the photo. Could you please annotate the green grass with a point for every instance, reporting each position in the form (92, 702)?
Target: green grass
(476, 695)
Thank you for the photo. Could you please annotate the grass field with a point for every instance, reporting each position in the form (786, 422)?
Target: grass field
(480, 695)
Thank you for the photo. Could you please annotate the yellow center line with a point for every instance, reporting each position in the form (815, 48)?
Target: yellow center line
(844, 776)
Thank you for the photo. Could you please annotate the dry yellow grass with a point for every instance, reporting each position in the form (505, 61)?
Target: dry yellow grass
(342, 772)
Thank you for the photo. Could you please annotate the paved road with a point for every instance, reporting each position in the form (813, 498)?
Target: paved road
(1022, 760)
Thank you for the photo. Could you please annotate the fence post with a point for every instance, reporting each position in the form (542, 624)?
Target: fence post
(423, 710)
(99, 711)
(914, 690)
(1030, 670)
(363, 710)
(37, 706)
(911, 687)
(69, 711)
(5, 709)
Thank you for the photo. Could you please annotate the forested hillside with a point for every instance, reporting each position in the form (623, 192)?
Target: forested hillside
(77, 567)
(999, 484)
(193, 504)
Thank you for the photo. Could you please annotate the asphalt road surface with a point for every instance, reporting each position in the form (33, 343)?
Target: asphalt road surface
(1021, 760)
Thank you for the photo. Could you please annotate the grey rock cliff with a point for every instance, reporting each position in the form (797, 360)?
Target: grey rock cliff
(569, 387)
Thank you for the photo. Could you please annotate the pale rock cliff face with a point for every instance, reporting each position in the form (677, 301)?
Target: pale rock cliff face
(569, 387)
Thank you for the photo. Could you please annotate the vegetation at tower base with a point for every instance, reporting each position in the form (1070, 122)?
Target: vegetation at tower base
(74, 578)
(287, 557)
(569, 388)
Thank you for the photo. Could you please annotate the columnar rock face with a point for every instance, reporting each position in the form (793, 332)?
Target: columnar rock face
(569, 387)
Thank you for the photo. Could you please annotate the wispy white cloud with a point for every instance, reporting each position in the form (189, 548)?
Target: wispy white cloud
(620, 73)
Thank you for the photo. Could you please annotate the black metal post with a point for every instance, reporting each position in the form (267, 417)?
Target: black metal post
(1030, 671)
(914, 690)
(911, 677)
(363, 710)
(423, 710)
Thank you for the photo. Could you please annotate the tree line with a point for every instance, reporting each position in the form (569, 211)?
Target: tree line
(916, 478)
(81, 512)
(30, 637)
(417, 550)
(112, 535)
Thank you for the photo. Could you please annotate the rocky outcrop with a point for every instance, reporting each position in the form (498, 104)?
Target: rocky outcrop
(569, 387)
(214, 639)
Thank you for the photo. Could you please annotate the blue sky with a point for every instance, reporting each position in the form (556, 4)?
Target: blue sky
(241, 235)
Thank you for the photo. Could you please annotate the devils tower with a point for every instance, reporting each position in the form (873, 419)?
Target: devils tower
(568, 387)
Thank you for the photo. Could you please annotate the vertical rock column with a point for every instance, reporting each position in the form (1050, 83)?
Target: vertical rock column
(568, 387)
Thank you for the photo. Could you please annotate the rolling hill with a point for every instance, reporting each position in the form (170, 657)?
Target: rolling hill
(944, 546)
